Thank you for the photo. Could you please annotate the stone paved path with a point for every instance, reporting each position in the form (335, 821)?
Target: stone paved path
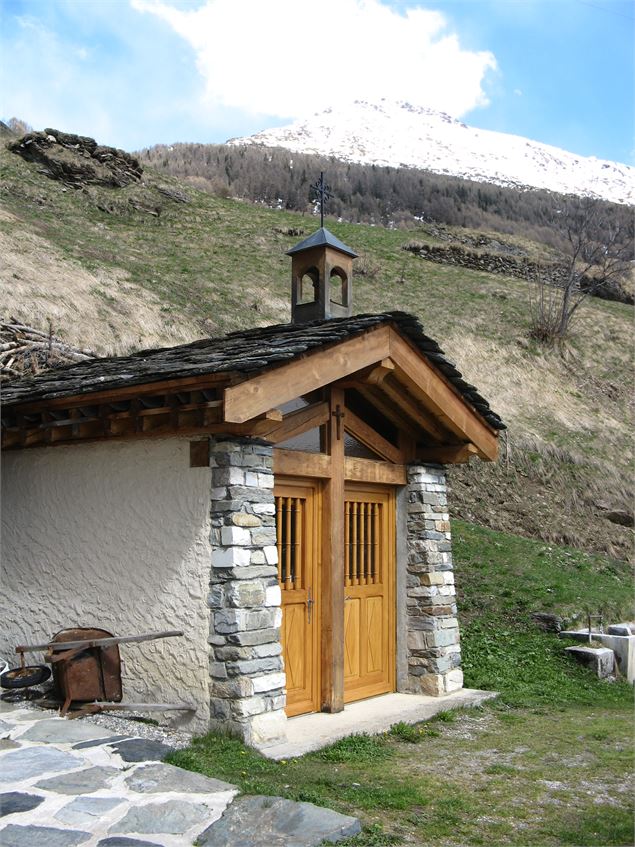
(66, 782)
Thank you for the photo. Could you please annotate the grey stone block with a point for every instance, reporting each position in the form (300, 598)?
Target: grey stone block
(599, 659)
(41, 836)
(142, 750)
(56, 731)
(84, 811)
(269, 664)
(154, 778)
(33, 761)
(16, 801)
(99, 742)
(256, 636)
(173, 817)
(275, 822)
(79, 782)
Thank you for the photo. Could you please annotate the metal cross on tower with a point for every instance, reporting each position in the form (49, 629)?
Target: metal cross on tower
(324, 194)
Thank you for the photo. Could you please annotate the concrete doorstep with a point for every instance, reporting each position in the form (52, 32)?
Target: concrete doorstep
(373, 716)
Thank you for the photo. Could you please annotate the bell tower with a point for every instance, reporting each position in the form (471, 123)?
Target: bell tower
(321, 273)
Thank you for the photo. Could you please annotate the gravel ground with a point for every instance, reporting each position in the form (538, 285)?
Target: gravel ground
(133, 723)
(124, 723)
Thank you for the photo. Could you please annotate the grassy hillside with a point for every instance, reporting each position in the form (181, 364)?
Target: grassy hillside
(120, 269)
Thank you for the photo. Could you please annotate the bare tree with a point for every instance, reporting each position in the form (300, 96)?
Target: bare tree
(596, 253)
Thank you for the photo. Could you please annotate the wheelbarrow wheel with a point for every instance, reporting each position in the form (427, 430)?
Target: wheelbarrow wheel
(25, 677)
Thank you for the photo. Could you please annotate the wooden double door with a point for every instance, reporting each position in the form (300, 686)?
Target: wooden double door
(367, 572)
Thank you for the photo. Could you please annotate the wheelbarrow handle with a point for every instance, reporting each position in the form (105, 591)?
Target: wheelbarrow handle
(84, 644)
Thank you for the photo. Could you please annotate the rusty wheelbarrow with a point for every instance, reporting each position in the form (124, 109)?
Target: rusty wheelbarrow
(87, 669)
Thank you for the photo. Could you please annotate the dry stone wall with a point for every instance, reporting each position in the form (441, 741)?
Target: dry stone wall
(246, 665)
(520, 267)
(434, 653)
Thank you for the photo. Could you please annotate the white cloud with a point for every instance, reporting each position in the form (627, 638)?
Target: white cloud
(287, 58)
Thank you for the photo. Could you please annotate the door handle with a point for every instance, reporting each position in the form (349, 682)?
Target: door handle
(310, 602)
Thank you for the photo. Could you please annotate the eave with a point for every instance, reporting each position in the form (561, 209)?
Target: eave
(436, 422)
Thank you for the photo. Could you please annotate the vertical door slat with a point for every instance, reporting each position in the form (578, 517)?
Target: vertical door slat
(348, 576)
(362, 543)
(299, 549)
(378, 576)
(354, 547)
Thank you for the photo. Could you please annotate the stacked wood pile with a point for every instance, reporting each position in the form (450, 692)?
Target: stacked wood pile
(26, 350)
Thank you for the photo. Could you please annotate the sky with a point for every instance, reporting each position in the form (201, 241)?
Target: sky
(133, 73)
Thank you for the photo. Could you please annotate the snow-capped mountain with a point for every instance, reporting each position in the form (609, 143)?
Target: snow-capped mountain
(397, 134)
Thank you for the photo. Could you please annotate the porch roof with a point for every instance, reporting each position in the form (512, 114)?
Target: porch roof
(239, 353)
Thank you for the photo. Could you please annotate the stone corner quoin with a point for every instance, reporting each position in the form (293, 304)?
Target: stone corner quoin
(434, 652)
(246, 666)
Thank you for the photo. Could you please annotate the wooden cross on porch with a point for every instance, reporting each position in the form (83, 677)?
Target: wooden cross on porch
(323, 193)
(338, 414)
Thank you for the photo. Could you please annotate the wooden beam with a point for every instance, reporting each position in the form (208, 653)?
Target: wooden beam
(451, 455)
(126, 432)
(151, 389)
(366, 470)
(295, 423)
(371, 438)
(333, 553)
(298, 463)
(423, 419)
(433, 391)
(378, 399)
(379, 373)
(373, 375)
(251, 397)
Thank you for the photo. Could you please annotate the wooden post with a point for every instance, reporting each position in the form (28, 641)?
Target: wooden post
(332, 636)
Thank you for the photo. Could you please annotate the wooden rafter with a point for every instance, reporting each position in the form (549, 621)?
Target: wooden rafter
(403, 400)
(370, 438)
(298, 422)
(440, 398)
(113, 395)
(254, 396)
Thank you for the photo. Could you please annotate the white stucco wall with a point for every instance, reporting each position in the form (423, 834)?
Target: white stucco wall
(114, 535)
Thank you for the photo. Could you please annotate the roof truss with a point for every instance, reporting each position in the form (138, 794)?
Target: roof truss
(380, 364)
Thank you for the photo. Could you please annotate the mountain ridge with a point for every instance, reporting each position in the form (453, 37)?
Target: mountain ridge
(398, 134)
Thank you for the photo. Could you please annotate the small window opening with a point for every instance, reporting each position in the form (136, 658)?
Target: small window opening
(309, 286)
(338, 286)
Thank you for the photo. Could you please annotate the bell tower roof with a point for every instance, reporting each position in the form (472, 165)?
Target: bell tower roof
(322, 238)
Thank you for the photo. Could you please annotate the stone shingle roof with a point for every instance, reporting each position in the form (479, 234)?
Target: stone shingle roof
(239, 352)
(322, 238)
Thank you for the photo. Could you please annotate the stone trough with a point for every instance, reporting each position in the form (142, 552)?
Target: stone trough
(620, 639)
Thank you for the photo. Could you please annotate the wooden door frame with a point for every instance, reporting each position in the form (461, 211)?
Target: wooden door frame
(335, 470)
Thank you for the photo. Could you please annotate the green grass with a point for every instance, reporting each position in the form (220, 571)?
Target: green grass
(548, 763)
(509, 576)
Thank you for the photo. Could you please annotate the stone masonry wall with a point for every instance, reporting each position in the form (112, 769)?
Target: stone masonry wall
(246, 666)
(434, 654)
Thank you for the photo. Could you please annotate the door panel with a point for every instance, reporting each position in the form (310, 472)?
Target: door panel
(297, 531)
(369, 592)
(351, 642)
